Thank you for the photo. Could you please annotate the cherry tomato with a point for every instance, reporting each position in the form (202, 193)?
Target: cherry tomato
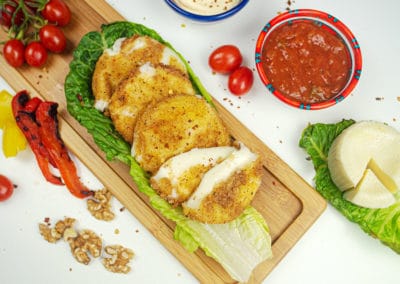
(7, 14)
(225, 59)
(240, 81)
(53, 38)
(35, 54)
(6, 188)
(13, 51)
(56, 11)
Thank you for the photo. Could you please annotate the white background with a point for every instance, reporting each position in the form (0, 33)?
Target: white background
(332, 251)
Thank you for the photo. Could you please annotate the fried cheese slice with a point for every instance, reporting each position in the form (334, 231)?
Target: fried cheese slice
(173, 126)
(117, 62)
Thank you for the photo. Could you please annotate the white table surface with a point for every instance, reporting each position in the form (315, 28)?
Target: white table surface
(333, 250)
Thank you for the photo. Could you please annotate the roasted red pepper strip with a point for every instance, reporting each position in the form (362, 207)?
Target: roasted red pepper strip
(46, 117)
(26, 122)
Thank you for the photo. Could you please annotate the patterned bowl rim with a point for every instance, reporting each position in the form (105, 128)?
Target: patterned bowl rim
(206, 18)
(331, 23)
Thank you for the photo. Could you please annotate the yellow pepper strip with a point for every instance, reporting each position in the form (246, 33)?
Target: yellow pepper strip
(13, 139)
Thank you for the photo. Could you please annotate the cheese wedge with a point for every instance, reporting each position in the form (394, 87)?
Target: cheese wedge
(352, 151)
(370, 192)
(364, 156)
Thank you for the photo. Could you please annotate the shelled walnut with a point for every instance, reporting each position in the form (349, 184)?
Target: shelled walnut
(86, 242)
(100, 205)
(119, 260)
(52, 235)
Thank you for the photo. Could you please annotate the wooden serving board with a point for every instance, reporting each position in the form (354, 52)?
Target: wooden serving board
(286, 201)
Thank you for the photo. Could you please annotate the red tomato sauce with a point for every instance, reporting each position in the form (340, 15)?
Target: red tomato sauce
(306, 62)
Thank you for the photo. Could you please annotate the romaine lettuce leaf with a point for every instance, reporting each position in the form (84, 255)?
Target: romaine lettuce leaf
(239, 245)
(383, 224)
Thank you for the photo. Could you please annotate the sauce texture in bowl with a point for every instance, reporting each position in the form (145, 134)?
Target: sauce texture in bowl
(308, 59)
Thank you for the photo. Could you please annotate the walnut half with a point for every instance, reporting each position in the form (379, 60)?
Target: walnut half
(86, 242)
(52, 235)
(119, 260)
(100, 205)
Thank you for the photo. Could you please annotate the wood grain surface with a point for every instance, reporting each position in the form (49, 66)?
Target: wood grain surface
(286, 201)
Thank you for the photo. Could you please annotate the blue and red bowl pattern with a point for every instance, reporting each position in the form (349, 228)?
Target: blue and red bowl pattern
(207, 18)
(329, 22)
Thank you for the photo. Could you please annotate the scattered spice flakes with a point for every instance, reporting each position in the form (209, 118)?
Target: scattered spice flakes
(308, 158)
(379, 98)
(116, 231)
(183, 25)
(289, 4)
(122, 209)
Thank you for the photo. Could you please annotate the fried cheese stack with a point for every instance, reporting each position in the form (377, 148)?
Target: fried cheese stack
(176, 136)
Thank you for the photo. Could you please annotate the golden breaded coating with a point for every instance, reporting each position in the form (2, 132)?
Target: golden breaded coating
(116, 63)
(175, 125)
(144, 85)
(228, 199)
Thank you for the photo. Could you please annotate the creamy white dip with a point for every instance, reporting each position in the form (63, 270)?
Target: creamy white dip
(207, 7)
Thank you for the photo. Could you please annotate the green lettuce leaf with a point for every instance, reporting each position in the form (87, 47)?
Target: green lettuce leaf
(238, 246)
(383, 224)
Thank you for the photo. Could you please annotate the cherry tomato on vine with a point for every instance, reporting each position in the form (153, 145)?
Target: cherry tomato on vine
(240, 81)
(56, 11)
(52, 38)
(225, 59)
(13, 52)
(7, 14)
(6, 188)
(35, 54)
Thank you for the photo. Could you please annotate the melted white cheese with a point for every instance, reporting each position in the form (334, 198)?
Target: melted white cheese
(236, 161)
(177, 165)
(169, 55)
(116, 48)
(147, 70)
(101, 105)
